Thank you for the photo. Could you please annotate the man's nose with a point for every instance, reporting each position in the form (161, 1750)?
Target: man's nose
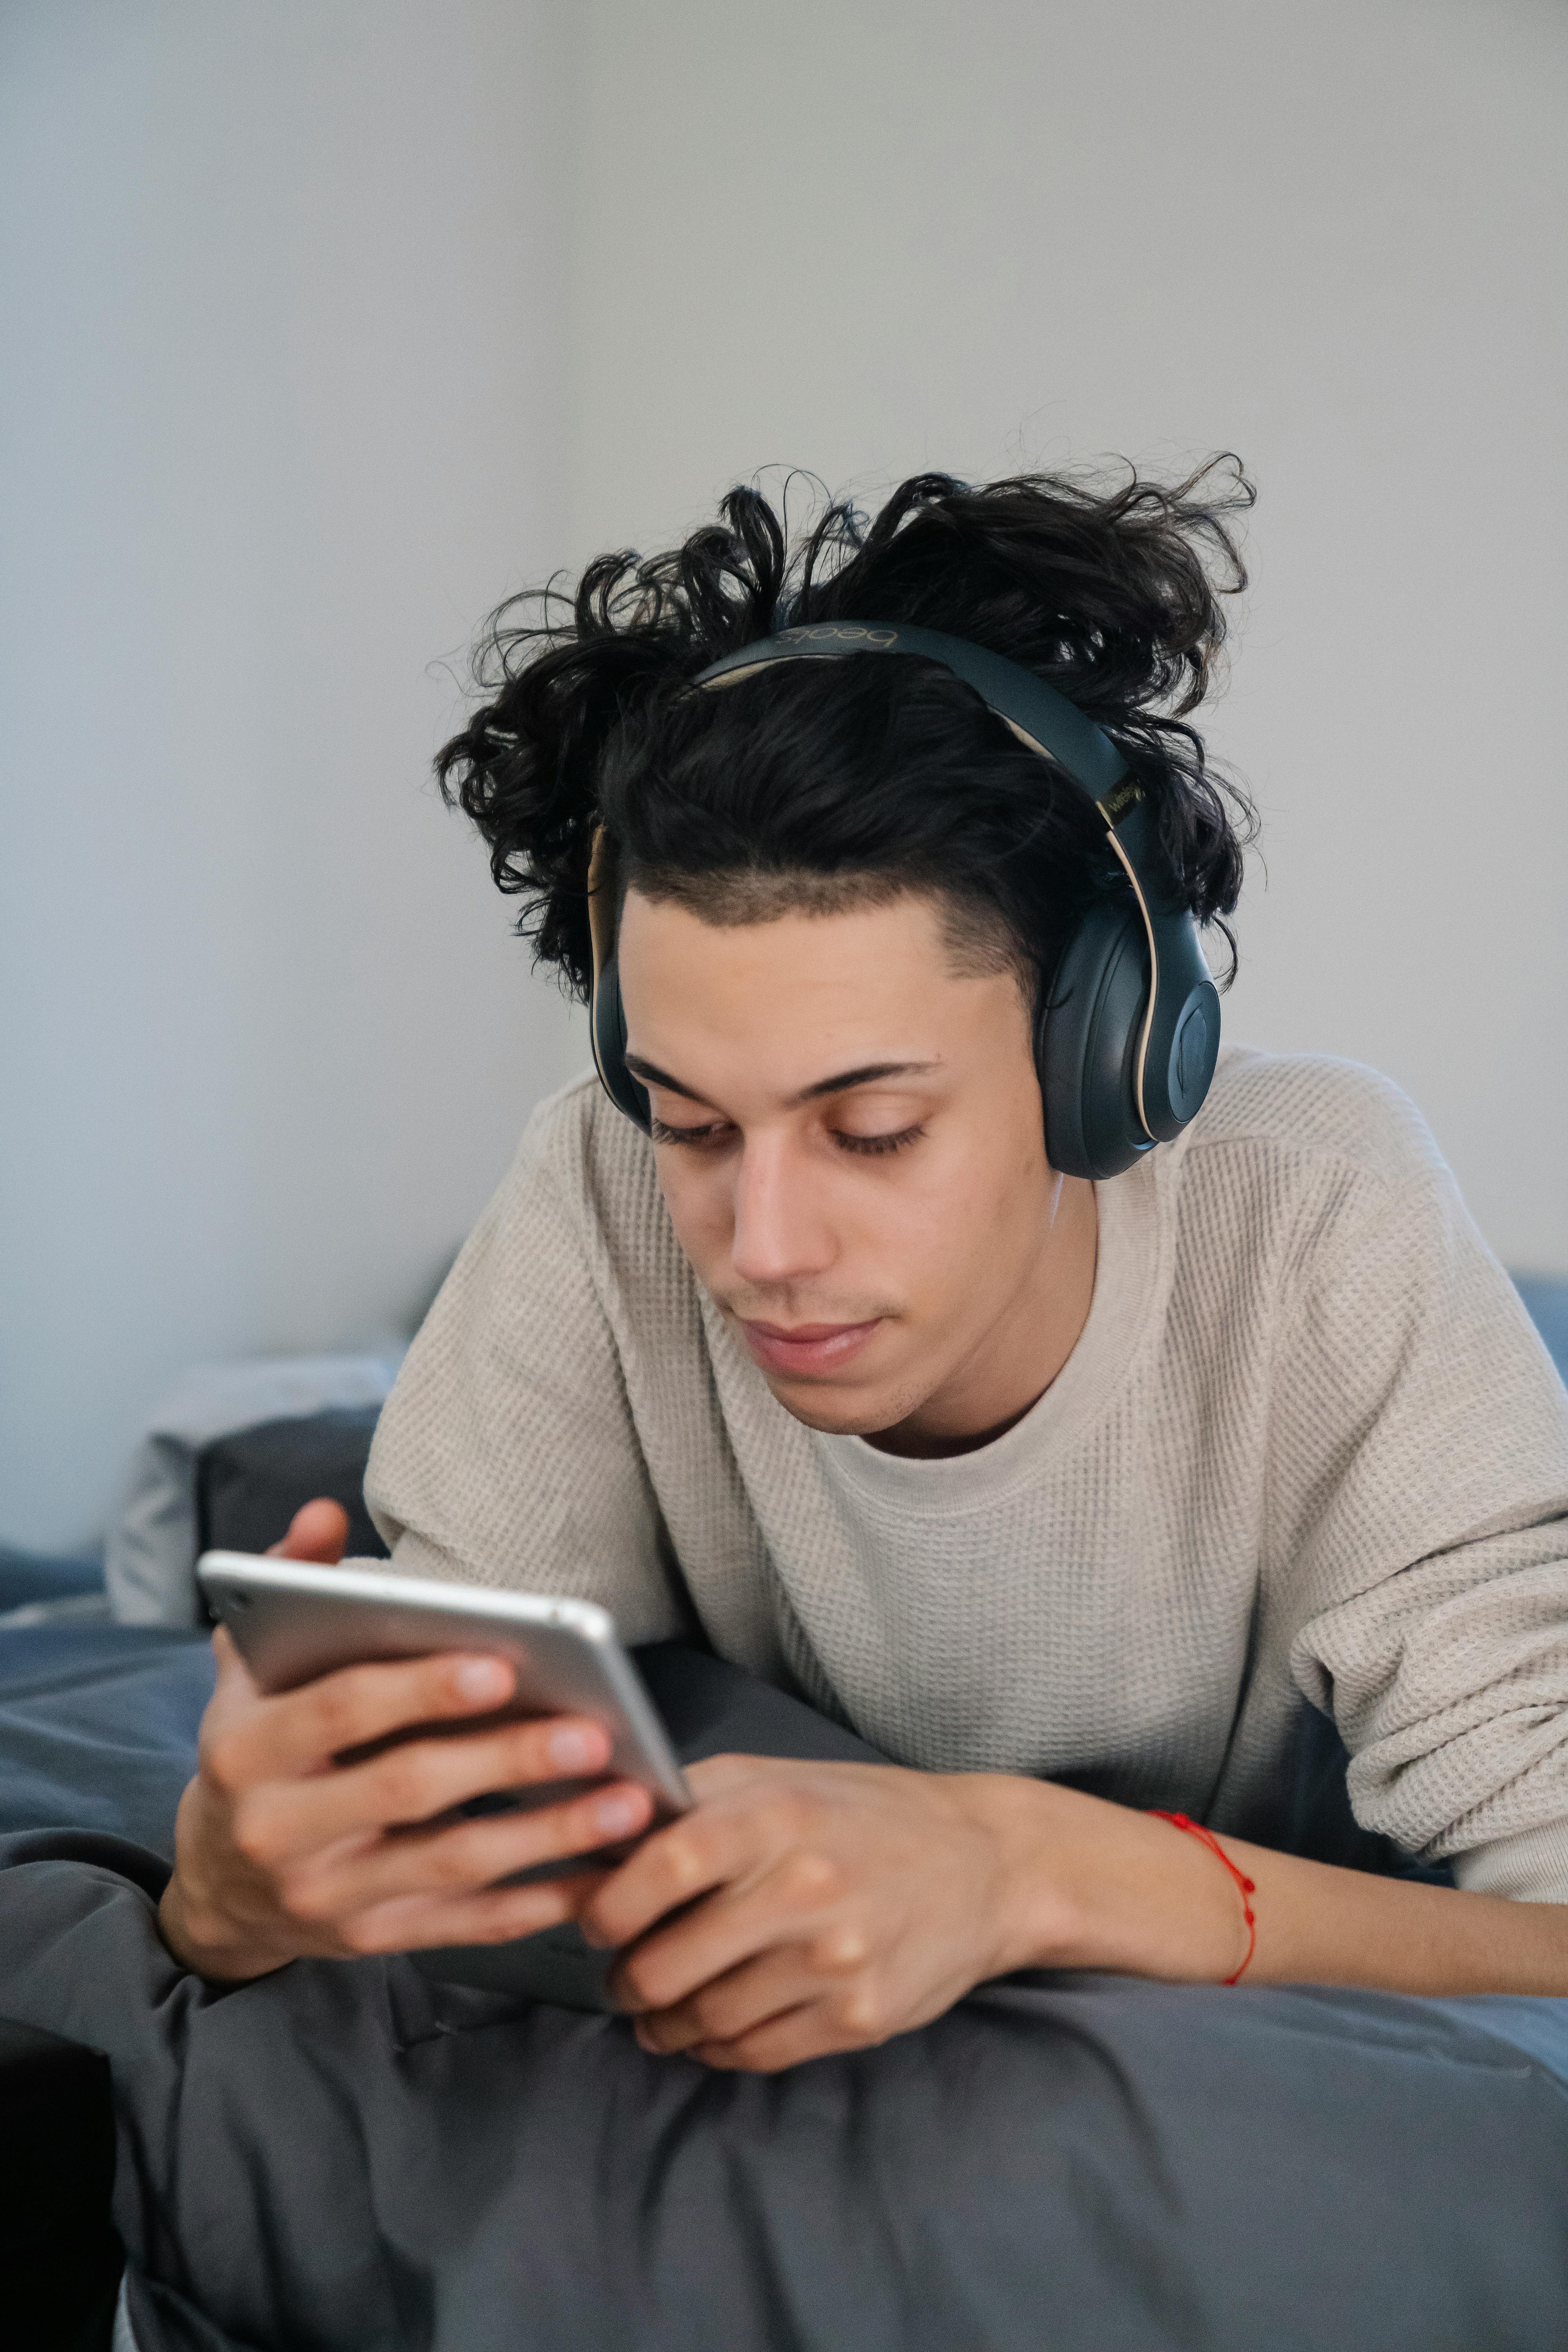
(782, 1233)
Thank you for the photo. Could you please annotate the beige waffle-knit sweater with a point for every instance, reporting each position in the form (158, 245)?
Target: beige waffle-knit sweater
(1308, 1442)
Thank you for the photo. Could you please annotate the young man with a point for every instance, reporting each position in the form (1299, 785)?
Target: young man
(1065, 1489)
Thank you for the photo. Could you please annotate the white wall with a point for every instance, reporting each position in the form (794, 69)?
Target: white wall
(328, 321)
(281, 296)
(868, 238)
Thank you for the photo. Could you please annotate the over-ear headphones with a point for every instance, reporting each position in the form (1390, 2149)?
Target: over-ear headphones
(1129, 1027)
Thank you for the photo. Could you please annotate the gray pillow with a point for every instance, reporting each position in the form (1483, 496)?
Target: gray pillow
(249, 1484)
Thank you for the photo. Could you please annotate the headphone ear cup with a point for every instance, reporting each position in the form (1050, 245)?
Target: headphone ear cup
(607, 1030)
(1184, 1038)
(1086, 1045)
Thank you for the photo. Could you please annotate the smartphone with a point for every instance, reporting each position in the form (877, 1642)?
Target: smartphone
(293, 1620)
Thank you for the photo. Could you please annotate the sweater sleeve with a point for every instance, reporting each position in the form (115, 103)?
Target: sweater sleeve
(507, 1453)
(1420, 1512)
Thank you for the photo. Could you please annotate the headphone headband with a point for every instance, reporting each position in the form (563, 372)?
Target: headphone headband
(1047, 721)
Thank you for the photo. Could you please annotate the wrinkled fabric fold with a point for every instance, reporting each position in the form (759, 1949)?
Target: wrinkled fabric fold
(345, 2157)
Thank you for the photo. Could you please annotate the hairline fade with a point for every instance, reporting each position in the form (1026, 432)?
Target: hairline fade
(978, 941)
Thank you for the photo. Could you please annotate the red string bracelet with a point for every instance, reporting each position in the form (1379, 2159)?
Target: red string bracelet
(1247, 1887)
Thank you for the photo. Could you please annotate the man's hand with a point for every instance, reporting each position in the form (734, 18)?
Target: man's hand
(284, 1850)
(802, 1908)
(820, 1907)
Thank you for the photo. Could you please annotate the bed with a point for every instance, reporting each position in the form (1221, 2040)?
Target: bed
(345, 2156)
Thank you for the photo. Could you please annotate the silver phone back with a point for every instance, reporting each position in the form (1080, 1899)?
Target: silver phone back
(293, 1620)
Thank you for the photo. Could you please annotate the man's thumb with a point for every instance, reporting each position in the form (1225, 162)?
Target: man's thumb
(317, 1531)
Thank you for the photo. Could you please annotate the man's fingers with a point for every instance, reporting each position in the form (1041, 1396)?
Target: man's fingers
(729, 2005)
(718, 1845)
(785, 1909)
(788, 2040)
(318, 1532)
(496, 1916)
(760, 2020)
(420, 1780)
(461, 1858)
(304, 1729)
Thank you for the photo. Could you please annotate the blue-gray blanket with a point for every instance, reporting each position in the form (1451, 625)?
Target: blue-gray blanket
(347, 2157)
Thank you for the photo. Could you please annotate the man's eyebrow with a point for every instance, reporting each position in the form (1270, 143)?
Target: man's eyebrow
(652, 1075)
(864, 1076)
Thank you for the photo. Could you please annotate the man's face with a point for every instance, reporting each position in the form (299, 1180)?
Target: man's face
(848, 1135)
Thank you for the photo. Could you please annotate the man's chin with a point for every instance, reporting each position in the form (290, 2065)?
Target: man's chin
(839, 1412)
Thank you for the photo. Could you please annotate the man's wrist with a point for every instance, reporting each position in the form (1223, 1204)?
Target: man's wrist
(1040, 1918)
(1086, 1884)
(203, 1942)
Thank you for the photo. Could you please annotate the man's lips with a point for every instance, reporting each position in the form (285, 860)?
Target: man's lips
(807, 1347)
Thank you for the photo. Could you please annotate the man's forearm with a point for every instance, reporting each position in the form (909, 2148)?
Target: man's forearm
(1099, 1885)
(1349, 1927)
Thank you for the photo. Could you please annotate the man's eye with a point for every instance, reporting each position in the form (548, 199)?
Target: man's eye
(873, 1144)
(713, 1129)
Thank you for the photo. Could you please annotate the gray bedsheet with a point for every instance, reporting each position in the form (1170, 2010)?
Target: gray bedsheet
(347, 2157)
(98, 1728)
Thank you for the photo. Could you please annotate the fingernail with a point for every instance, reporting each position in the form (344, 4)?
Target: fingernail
(483, 1678)
(575, 1749)
(617, 1815)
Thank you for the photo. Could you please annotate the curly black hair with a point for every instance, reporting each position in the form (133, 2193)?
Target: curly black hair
(811, 784)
